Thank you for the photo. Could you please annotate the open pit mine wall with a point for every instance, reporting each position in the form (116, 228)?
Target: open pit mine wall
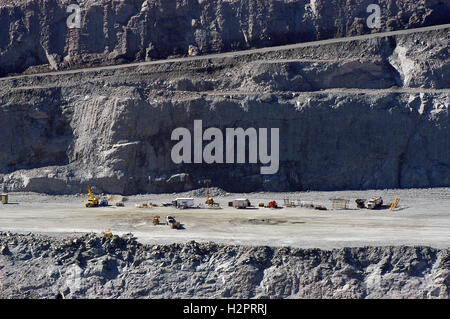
(35, 33)
(369, 114)
(33, 266)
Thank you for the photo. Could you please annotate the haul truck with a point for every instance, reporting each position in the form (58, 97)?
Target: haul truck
(374, 202)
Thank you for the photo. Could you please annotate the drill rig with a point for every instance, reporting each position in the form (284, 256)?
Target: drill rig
(92, 201)
(209, 199)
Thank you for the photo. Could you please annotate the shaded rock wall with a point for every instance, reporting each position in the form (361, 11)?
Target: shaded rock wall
(354, 115)
(35, 33)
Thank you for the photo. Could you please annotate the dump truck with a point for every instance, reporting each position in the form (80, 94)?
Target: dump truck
(175, 225)
(360, 203)
(374, 202)
(170, 220)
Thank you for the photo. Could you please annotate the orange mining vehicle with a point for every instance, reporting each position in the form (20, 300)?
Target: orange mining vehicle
(272, 204)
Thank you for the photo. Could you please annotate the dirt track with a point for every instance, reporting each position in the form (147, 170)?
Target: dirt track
(240, 53)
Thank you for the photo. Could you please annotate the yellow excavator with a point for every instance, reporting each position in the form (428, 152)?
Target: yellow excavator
(92, 201)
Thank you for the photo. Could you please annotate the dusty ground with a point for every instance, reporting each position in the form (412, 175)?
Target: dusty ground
(423, 219)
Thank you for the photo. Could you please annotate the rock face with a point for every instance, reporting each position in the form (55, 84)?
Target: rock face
(352, 115)
(89, 266)
(114, 32)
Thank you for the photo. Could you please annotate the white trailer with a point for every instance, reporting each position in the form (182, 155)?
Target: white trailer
(241, 203)
(184, 202)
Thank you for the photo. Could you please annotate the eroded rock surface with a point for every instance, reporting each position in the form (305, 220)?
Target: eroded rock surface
(89, 266)
(354, 115)
(111, 32)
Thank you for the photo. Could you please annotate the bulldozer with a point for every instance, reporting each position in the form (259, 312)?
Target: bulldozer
(92, 201)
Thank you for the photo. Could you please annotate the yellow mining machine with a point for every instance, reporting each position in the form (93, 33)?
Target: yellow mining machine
(394, 203)
(92, 201)
(209, 199)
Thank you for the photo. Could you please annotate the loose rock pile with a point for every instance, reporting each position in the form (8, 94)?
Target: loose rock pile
(92, 266)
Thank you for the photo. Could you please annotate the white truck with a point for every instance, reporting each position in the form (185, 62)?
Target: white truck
(374, 202)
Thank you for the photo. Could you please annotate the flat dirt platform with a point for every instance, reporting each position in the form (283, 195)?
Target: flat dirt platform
(423, 218)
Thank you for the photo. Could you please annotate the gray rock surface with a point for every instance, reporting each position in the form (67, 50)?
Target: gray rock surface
(363, 114)
(36, 36)
(89, 266)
